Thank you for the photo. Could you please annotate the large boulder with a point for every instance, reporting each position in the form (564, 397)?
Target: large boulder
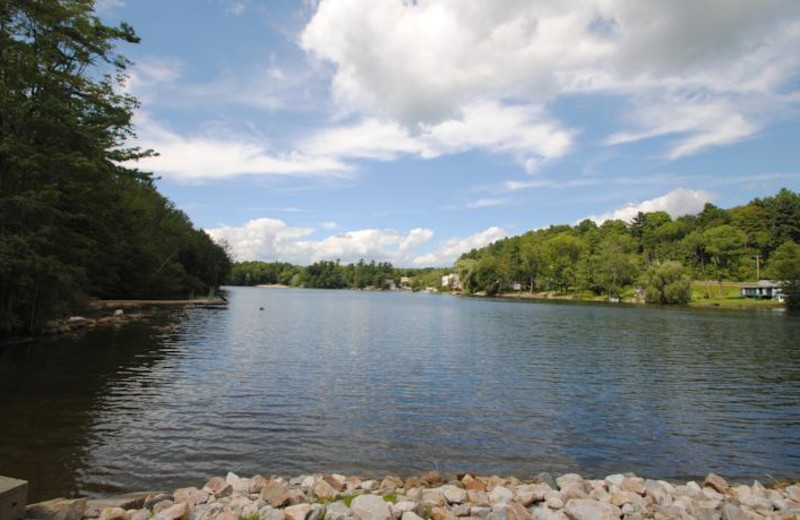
(323, 490)
(275, 494)
(371, 507)
(454, 494)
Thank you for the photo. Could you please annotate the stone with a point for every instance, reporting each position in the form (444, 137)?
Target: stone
(554, 500)
(433, 498)
(307, 483)
(586, 509)
(337, 511)
(317, 512)
(453, 494)
(732, 512)
(140, 514)
(114, 513)
(127, 501)
(370, 507)
(270, 513)
(57, 509)
(500, 495)
(275, 494)
(520, 513)
(322, 490)
(634, 485)
(442, 513)
(190, 495)
(615, 480)
(297, 512)
(13, 498)
(715, 481)
(475, 485)
(432, 478)
(175, 512)
(570, 479)
(402, 506)
(410, 515)
(214, 485)
(626, 497)
(756, 502)
(546, 478)
(793, 492)
(162, 505)
(480, 512)
(462, 510)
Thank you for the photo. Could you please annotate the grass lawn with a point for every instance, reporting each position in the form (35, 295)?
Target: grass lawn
(707, 294)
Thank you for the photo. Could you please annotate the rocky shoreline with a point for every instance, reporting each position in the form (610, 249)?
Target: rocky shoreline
(437, 496)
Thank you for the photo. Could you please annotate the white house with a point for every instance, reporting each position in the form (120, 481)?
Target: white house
(452, 281)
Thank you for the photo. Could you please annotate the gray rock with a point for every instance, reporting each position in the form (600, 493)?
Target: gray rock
(454, 494)
(370, 507)
(480, 512)
(190, 495)
(337, 511)
(462, 510)
(410, 515)
(570, 479)
(57, 509)
(162, 505)
(317, 512)
(500, 495)
(152, 500)
(270, 513)
(140, 514)
(478, 498)
(546, 478)
(586, 509)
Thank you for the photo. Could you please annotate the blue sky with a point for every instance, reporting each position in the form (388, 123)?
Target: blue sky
(413, 131)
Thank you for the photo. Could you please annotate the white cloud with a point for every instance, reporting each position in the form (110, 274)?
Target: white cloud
(676, 203)
(524, 132)
(449, 251)
(329, 225)
(237, 8)
(210, 156)
(272, 239)
(424, 62)
(105, 5)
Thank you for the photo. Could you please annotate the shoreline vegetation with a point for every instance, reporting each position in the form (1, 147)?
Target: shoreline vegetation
(651, 259)
(441, 496)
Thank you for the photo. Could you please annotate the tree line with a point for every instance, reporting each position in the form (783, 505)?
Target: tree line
(654, 250)
(75, 220)
(328, 274)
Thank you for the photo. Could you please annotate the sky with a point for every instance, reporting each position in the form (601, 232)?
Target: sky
(411, 131)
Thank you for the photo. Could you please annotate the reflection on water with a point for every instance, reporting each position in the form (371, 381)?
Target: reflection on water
(376, 383)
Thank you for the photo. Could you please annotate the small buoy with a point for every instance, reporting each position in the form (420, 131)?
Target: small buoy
(261, 308)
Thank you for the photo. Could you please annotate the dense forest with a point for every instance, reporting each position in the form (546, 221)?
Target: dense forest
(758, 239)
(75, 220)
(334, 275)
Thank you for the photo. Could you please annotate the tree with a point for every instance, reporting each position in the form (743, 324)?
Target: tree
(726, 245)
(616, 266)
(666, 283)
(561, 254)
(784, 266)
(74, 221)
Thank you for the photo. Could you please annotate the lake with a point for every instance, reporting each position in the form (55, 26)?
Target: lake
(377, 383)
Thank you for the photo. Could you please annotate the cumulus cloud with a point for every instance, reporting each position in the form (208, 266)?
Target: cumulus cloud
(676, 203)
(449, 251)
(424, 62)
(212, 156)
(272, 239)
(524, 131)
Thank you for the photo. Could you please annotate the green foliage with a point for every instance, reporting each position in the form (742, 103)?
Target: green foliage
(716, 244)
(784, 266)
(74, 222)
(666, 283)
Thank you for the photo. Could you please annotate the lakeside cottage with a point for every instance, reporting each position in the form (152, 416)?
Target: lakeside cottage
(763, 290)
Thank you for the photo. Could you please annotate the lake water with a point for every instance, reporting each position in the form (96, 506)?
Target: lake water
(377, 383)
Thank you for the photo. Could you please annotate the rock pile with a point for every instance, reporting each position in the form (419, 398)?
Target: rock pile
(435, 496)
